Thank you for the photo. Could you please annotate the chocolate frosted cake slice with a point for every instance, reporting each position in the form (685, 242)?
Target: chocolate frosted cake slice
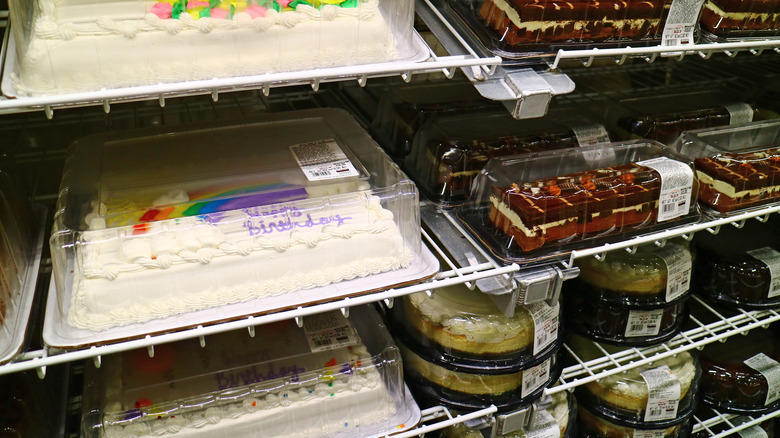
(738, 180)
(579, 205)
(741, 18)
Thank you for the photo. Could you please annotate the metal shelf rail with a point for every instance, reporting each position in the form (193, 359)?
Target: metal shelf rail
(719, 418)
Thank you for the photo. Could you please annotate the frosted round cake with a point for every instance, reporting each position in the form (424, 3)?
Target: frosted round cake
(74, 46)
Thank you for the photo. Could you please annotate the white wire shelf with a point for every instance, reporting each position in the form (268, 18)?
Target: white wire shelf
(719, 419)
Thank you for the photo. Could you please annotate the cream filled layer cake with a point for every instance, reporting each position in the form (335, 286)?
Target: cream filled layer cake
(74, 46)
(245, 387)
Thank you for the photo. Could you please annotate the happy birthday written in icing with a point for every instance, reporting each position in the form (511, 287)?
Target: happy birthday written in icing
(286, 219)
(252, 375)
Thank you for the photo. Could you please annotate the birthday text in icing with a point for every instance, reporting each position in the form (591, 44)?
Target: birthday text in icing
(286, 219)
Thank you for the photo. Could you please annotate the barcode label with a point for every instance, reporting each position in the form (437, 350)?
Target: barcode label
(534, 378)
(771, 259)
(676, 183)
(663, 394)
(638, 433)
(328, 331)
(770, 369)
(680, 24)
(679, 263)
(544, 426)
(323, 159)
(589, 134)
(545, 319)
(739, 113)
(751, 432)
(644, 323)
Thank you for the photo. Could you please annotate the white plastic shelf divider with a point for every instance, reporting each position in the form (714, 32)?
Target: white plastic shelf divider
(719, 418)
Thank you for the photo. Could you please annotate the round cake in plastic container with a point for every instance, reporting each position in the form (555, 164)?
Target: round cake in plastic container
(591, 424)
(555, 417)
(652, 396)
(621, 325)
(651, 276)
(464, 327)
(742, 375)
(471, 388)
(739, 267)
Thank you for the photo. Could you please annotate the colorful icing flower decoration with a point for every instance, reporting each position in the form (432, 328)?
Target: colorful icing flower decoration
(226, 9)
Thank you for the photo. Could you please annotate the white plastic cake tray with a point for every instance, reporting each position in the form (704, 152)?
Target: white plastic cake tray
(10, 66)
(15, 322)
(58, 333)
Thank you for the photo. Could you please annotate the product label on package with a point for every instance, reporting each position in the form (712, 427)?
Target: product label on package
(648, 433)
(676, 184)
(328, 331)
(544, 426)
(323, 159)
(663, 394)
(771, 259)
(644, 323)
(770, 369)
(753, 432)
(678, 270)
(534, 378)
(739, 113)
(678, 31)
(589, 134)
(545, 324)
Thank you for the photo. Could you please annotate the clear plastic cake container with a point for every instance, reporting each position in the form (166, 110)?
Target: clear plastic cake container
(155, 224)
(464, 328)
(449, 152)
(403, 110)
(592, 425)
(537, 207)
(335, 376)
(520, 31)
(732, 21)
(64, 47)
(738, 166)
(738, 268)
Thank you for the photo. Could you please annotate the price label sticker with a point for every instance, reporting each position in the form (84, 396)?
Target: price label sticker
(644, 323)
(545, 426)
(546, 321)
(678, 263)
(638, 433)
(663, 394)
(739, 113)
(322, 160)
(771, 259)
(676, 185)
(328, 331)
(770, 369)
(534, 378)
(680, 24)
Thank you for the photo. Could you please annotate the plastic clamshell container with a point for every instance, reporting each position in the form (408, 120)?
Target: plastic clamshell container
(34, 407)
(403, 110)
(624, 398)
(539, 206)
(343, 375)
(515, 30)
(640, 279)
(737, 267)
(65, 47)
(731, 21)
(465, 329)
(160, 222)
(738, 166)
(449, 152)
(765, 429)
(731, 385)
(556, 411)
(591, 424)
(459, 388)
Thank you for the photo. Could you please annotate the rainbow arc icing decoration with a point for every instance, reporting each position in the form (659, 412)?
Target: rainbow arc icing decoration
(226, 9)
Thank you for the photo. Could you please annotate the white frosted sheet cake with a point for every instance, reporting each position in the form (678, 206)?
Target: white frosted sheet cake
(333, 377)
(157, 223)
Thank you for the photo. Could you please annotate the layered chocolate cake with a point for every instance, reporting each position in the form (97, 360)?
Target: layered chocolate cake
(532, 21)
(731, 379)
(585, 204)
(667, 127)
(734, 181)
(741, 18)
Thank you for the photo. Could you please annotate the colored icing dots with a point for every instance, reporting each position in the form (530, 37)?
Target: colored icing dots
(226, 9)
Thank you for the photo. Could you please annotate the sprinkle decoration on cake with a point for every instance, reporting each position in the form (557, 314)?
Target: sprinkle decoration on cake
(733, 181)
(576, 206)
(532, 21)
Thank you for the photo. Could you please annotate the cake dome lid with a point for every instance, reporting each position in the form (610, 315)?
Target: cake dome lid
(457, 300)
(682, 418)
(737, 349)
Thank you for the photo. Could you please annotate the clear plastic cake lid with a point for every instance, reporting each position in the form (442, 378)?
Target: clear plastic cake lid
(738, 166)
(537, 207)
(449, 152)
(334, 376)
(224, 213)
